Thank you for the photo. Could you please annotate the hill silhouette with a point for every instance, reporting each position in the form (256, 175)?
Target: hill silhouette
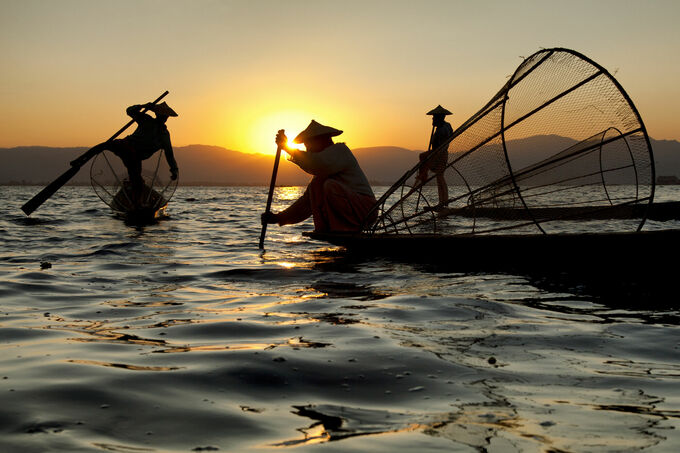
(200, 165)
(214, 165)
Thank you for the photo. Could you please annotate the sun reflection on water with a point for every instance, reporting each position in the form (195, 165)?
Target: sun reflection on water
(289, 193)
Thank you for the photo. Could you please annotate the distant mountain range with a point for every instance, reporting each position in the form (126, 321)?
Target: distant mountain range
(214, 165)
(200, 165)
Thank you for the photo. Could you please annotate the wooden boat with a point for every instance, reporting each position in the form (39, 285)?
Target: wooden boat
(661, 211)
(532, 182)
(600, 252)
(138, 207)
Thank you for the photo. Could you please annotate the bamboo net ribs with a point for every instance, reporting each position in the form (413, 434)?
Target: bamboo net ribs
(109, 179)
(559, 148)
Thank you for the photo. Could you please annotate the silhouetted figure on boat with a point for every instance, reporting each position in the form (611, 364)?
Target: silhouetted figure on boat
(150, 136)
(339, 196)
(441, 132)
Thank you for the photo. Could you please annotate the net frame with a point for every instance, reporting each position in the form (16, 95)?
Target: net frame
(615, 149)
(108, 177)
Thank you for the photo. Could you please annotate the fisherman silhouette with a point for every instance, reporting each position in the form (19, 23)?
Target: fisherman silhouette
(441, 131)
(150, 136)
(339, 197)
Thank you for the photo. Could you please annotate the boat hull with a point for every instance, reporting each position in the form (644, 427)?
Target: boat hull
(142, 216)
(661, 211)
(600, 252)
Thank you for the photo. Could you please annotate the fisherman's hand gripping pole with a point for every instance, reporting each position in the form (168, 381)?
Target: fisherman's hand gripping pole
(267, 216)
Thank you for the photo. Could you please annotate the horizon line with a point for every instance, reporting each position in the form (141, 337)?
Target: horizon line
(269, 154)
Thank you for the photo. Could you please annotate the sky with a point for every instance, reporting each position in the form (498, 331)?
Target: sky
(238, 71)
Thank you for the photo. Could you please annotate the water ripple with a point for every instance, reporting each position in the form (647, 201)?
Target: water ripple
(184, 336)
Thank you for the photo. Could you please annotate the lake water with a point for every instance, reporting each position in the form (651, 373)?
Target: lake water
(183, 336)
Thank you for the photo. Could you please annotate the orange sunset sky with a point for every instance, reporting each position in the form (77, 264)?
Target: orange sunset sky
(238, 71)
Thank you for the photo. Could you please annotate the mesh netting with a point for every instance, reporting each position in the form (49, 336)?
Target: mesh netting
(560, 148)
(109, 179)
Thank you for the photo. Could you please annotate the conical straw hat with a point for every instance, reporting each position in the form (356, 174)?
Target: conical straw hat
(439, 110)
(314, 130)
(163, 109)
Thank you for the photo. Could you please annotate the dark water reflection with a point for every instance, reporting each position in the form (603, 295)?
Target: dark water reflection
(183, 336)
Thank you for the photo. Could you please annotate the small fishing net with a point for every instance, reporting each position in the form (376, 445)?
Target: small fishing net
(109, 179)
(560, 148)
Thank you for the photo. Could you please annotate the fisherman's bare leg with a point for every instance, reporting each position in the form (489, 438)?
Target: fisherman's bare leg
(422, 171)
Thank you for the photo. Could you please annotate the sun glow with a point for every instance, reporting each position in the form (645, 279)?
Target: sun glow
(262, 131)
(290, 144)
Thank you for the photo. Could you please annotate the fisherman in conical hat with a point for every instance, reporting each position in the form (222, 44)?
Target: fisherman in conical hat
(437, 154)
(339, 197)
(150, 136)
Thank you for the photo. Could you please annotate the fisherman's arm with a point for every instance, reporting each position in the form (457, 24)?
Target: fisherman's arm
(170, 157)
(298, 212)
(324, 163)
(135, 112)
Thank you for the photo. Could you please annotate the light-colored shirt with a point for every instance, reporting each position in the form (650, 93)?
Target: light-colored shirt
(336, 162)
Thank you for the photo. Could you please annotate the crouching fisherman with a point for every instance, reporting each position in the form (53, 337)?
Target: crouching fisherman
(339, 197)
(150, 136)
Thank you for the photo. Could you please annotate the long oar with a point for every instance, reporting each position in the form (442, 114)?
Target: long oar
(272, 185)
(42, 196)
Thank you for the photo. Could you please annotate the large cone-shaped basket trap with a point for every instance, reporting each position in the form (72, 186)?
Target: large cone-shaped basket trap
(560, 148)
(111, 183)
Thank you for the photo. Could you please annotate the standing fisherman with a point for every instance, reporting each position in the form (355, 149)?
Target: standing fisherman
(150, 136)
(437, 155)
(339, 197)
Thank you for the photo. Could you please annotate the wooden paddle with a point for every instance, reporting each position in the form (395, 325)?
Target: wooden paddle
(42, 196)
(272, 185)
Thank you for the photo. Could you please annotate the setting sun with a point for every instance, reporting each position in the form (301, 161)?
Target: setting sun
(262, 132)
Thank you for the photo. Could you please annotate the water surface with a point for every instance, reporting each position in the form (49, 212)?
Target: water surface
(183, 336)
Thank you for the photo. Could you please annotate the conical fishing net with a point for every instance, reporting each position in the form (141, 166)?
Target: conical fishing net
(109, 179)
(560, 148)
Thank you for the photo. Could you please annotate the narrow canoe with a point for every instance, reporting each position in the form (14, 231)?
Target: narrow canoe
(139, 209)
(648, 251)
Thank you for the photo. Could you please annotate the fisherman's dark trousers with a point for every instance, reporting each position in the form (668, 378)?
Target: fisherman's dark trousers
(127, 153)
